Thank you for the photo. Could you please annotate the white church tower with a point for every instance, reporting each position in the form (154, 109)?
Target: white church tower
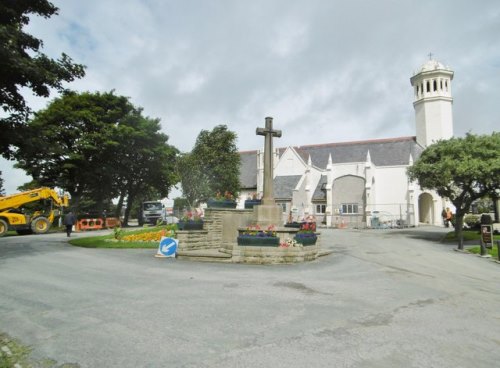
(433, 102)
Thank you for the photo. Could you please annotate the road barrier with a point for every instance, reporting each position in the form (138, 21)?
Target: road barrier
(89, 224)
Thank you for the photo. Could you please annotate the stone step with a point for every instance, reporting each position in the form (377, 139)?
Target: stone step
(204, 255)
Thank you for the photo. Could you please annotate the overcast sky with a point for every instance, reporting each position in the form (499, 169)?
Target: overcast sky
(325, 70)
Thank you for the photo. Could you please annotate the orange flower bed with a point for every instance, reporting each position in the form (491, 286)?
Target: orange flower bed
(148, 237)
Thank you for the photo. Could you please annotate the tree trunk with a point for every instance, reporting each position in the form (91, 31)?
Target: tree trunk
(495, 208)
(74, 201)
(130, 201)
(119, 206)
(459, 225)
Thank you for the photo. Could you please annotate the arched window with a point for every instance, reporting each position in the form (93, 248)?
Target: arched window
(434, 85)
(428, 87)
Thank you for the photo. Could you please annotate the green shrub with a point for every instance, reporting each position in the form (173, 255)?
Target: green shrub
(472, 221)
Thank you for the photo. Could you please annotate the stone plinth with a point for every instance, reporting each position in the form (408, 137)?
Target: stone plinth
(276, 255)
(265, 215)
(222, 225)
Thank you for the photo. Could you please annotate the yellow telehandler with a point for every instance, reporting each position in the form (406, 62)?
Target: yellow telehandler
(14, 216)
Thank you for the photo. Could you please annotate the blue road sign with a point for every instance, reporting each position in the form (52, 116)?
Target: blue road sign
(168, 247)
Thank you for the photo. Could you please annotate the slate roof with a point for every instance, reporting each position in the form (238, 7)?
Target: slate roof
(319, 193)
(383, 152)
(248, 170)
(283, 186)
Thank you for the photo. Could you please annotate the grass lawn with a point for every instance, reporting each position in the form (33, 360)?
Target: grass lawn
(473, 235)
(477, 250)
(468, 235)
(107, 241)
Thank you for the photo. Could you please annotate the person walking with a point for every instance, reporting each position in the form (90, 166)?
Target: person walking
(69, 221)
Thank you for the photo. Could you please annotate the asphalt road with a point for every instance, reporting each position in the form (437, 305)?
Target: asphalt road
(384, 298)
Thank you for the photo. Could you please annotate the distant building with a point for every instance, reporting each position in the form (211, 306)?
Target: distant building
(363, 183)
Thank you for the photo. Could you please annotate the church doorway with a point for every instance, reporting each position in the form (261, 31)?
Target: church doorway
(425, 209)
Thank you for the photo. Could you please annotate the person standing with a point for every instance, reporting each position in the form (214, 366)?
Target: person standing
(69, 221)
(449, 216)
(443, 215)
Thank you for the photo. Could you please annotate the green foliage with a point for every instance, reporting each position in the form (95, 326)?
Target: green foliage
(472, 221)
(212, 166)
(23, 65)
(460, 169)
(181, 203)
(97, 146)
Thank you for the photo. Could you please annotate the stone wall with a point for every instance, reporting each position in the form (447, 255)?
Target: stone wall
(220, 229)
(192, 239)
(222, 226)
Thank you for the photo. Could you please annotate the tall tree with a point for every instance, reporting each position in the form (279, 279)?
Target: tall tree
(462, 170)
(96, 146)
(23, 65)
(212, 166)
(69, 144)
(146, 164)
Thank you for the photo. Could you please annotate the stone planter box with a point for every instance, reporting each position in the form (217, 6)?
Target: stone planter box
(306, 239)
(295, 225)
(249, 203)
(213, 203)
(259, 241)
(190, 225)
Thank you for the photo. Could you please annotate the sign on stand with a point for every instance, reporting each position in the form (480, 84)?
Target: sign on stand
(167, 247)
(486, 236)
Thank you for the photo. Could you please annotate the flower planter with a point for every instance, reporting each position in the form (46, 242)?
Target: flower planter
(190, 225)
(308, 226)
(249, 203)
(295, 225)
(259, 241)
(306, 239)
(214, 203)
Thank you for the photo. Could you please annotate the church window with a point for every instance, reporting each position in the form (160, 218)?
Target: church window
(349, 208)
(435, 85)
(283, 206)
(441, 85)
(320, 208)
(446, 85)
(428, 87)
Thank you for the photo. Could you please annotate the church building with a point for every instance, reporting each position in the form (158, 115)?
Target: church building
(362, 183)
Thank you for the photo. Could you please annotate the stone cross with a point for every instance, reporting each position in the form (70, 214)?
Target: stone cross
(268, 133)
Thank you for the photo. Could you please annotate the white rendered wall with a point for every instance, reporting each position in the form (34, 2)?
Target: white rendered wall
(434, 121)
(392, 190)
(289, 164)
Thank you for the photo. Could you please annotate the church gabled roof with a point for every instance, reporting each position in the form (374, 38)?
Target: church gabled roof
(283, 186)
(383, 152)
(248, 170)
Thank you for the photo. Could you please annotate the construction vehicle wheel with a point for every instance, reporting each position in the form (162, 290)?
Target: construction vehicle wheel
(3, 227)
(40, 225)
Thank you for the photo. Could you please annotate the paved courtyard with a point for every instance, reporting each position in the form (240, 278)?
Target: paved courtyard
(384, 298)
